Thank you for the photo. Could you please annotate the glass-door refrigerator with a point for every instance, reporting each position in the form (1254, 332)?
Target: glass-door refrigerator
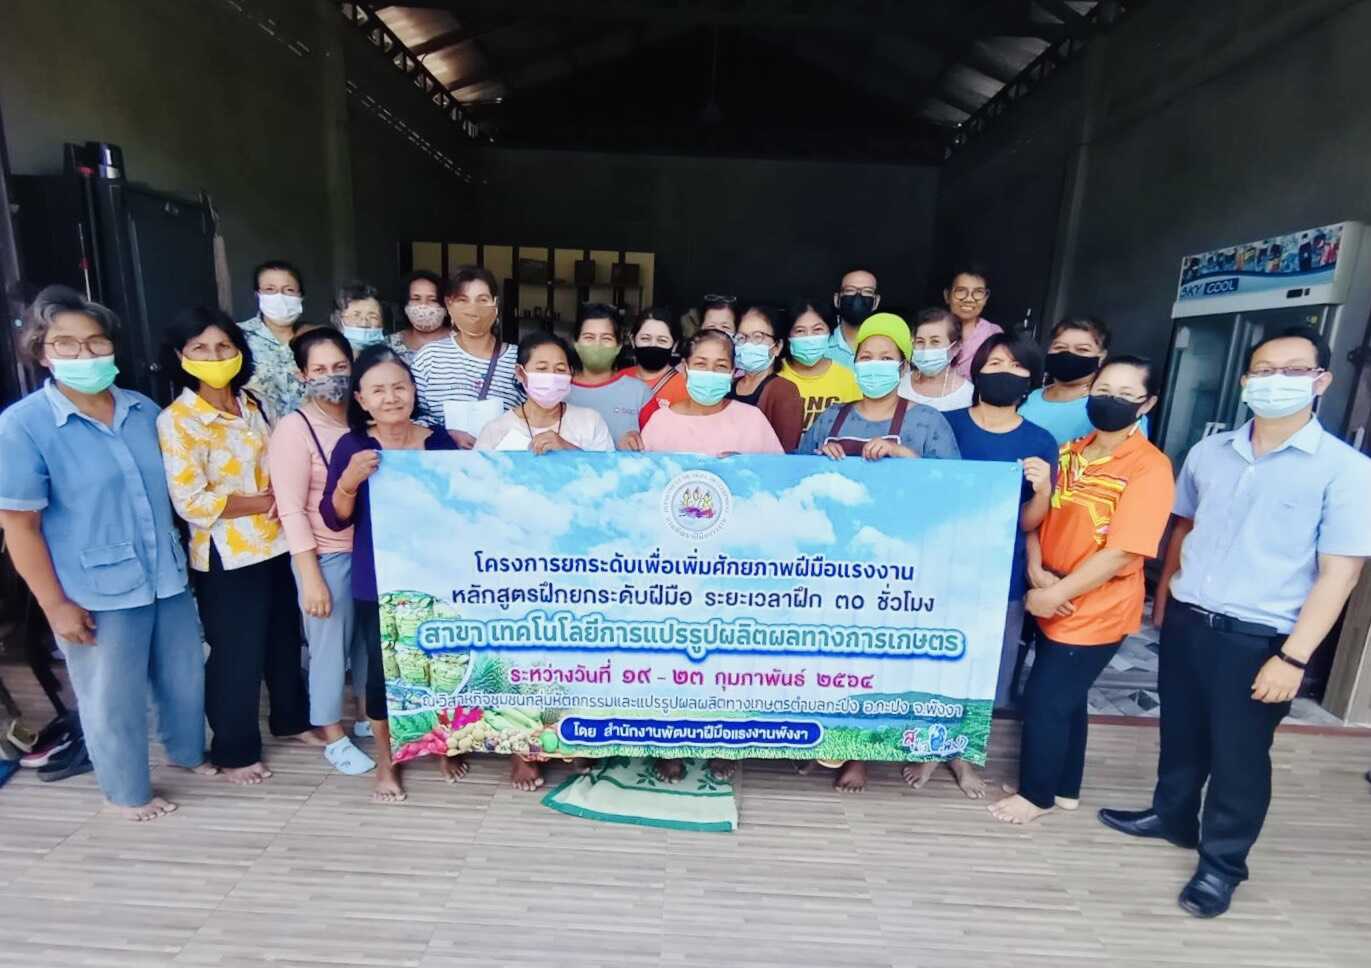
(1228, 299)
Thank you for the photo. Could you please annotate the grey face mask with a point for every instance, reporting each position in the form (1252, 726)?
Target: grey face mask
(331, 389)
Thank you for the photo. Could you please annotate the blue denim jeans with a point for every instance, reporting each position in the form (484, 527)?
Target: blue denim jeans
(157, 646)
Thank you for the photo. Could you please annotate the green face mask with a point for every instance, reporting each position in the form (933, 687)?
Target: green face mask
(597, 357)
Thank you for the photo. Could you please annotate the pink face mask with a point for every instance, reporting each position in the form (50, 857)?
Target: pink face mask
(547, 389)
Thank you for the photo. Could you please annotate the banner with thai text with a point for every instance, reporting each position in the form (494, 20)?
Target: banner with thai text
(575, 604)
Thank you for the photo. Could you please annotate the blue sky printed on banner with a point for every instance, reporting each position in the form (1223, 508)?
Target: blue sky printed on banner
(953, 520)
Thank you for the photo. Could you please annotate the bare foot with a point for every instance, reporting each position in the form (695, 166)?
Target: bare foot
(154, 808)
(581, 764)
(1016, 810)
(917, 774)
(669, 771)
(310, 737)
(525, 774)
(453, 768)
(204, 769)
(247, 775)
(967, 778)
(851, 778)
(723, 769)
(388, 790)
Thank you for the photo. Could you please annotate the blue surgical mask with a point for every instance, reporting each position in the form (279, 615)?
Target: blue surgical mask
(877, 378)
(707, 387)
(808, 350)
(752, 358)
(364, 335)
(91, 374)
(932, 361)
(1278, 395)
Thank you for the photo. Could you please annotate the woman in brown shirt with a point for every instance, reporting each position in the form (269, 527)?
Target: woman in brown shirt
(758, 353)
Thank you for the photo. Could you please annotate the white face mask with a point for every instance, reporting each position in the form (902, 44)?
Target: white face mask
(425, 317)
(1278, 395)
(280, 306)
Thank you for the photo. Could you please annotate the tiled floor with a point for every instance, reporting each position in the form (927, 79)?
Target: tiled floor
(303, 872)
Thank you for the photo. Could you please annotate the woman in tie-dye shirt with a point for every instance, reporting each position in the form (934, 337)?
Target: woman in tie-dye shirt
(214, 445)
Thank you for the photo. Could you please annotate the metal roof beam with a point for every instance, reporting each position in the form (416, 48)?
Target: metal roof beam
(461, 35)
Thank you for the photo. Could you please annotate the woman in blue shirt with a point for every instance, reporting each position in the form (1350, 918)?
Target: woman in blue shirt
(1003, 370)
(87, 517)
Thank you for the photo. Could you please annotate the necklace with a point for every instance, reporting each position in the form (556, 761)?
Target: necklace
(523, 412)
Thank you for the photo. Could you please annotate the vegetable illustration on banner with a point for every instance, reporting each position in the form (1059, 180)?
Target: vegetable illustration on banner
(579, 604)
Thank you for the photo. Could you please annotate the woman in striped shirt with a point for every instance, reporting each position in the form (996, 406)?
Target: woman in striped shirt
(472, 366)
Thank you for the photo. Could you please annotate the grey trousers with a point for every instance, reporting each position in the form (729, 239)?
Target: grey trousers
(333, 643)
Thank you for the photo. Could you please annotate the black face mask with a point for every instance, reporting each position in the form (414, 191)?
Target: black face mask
(1070, 367)
(854, 309)
(652, 358)
(1110, 413)
(1001, 389)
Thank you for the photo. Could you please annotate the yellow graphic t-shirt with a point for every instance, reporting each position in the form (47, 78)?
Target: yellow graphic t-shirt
(209, 456)
(834, 385)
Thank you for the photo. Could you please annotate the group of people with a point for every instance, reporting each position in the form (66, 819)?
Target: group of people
(251, 491)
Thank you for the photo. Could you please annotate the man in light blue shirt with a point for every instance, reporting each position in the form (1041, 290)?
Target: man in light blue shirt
(857, 297)
(1273, 523)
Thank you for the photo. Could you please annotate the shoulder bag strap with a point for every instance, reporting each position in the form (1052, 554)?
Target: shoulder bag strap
(490, 370)
(320, 447)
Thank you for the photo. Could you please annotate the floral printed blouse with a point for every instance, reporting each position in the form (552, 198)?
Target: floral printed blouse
(210, 455)
(275, 377)
(397, 343)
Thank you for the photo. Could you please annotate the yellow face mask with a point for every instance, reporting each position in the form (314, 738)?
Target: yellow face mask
(214, 373)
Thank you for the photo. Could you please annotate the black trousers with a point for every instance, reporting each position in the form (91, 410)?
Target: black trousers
(1213, 730)
(368, 618)
(1056, 718)
(251, 618)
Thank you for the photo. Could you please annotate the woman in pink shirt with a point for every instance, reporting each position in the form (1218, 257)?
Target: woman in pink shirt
(966, 294)
(706, 421)
(321, 558)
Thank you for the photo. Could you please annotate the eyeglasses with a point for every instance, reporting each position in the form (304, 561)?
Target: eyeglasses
(362, 319)
(715, 297)
(1119, 396)
(1260, 371)
(979, 293)
(69, 347)
(756, 339)
(868, 291)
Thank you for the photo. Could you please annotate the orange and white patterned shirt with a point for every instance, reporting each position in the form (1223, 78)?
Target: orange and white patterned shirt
(209, 456)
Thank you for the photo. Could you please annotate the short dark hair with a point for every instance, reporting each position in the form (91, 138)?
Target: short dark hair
(1138, 362)
(1322, 353)
(859, 268)
(1097, 328)
(190, 323)
(542, 337)
(938, 314)
(414, 277)
(597, 311)
(1024, 350)
(822, 308)
(370, 357)
(302, 343)
(48, 305)
(775, 317)
(465, 276)
(280, 265)
(967, 269)
(718, 302)
(711, 335)
(662, 314)
(352, 292)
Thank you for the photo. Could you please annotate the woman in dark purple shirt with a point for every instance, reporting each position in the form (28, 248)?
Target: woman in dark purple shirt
(381, 417)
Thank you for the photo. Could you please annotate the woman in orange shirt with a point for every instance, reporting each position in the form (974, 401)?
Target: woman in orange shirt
(1109, 509)
(656, 339)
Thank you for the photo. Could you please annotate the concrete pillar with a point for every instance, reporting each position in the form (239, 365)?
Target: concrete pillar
(336, 160)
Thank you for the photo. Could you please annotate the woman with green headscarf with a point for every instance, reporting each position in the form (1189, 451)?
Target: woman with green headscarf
(880, 425)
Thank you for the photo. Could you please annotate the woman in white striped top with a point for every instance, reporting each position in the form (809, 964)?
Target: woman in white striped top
(471, 365)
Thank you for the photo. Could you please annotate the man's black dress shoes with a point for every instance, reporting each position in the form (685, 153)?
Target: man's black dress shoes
(1143, 823)
(1207, 895)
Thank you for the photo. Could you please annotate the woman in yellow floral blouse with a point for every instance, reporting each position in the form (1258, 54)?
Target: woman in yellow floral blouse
(214, 445)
